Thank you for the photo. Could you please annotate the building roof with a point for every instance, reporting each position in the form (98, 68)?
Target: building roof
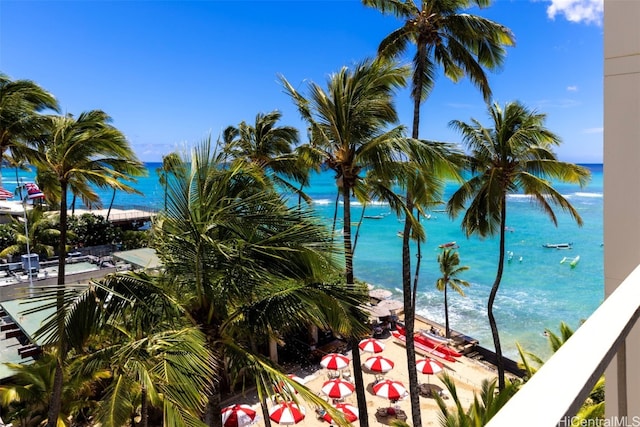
(145, 258)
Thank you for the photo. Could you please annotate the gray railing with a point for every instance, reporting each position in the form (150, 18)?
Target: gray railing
(557, 391)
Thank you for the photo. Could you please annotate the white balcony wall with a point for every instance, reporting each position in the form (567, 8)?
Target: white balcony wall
(622, 187)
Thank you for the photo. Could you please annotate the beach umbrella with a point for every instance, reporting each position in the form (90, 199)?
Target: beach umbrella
(428, 367)
(380, 294)
(379, 364)
(371, 345)
(350, 412)
(334, 361)
(5, 194)
(287, 413)
(238, 416)
(390, 389)
(337, 388)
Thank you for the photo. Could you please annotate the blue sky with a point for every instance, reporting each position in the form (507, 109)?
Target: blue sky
(171, 73)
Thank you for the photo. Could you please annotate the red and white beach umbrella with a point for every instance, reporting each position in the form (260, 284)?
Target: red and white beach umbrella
(337, 388)
(429, 366)
(390, 389)
(379, 364)
(350, 412)
(238, 416)
(371, 345)
(287, 413)
(334, 361)
(5, 194)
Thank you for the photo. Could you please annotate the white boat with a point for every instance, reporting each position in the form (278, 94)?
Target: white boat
(558, 245)
(571, 261)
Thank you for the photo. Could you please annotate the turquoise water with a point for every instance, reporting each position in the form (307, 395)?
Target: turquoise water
(536, 292)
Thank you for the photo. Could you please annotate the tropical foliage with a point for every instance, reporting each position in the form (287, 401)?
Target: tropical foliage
(243, 268)
(485, 404)
(91, 230)
(42, 237)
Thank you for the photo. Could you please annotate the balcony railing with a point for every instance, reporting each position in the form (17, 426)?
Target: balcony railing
(557, 391)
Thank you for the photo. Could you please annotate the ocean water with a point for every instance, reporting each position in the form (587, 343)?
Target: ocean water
(537, 290)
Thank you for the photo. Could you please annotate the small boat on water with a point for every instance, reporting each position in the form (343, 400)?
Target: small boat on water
(374, 216)
(449, 245)
(400, 234)
(571, 261)
(558, 245)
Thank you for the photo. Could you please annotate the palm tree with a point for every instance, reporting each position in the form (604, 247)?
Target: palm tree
(464, 45)
(269, 147)
(349, 134)
(171, 165)
(20, 123)
(77, 153)
(449, 261)
(481, 410)
(42, 234)
(515, 155)
(243, 268)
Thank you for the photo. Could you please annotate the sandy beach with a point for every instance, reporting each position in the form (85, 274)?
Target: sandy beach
(467, 373)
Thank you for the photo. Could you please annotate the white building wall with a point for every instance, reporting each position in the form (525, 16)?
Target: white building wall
(622, 185)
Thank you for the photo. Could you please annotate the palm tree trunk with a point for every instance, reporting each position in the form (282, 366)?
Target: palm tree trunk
(355, 241)
(348, 257)
(409, 314)
(113, 197)
(265, 413)
(492, 298)
(335, 215)
(446, 310)
(19, 188)
(213, 417)
(407, 291)
(56, 395)
(144, 408)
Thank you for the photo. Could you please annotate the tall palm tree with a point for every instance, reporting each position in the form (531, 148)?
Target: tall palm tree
(512, 156)
(20, 123)
(79, 153)
(449, 261)
(464, 45)
(349, 133)
(270, 147)
(243, 268)
(171, 165)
